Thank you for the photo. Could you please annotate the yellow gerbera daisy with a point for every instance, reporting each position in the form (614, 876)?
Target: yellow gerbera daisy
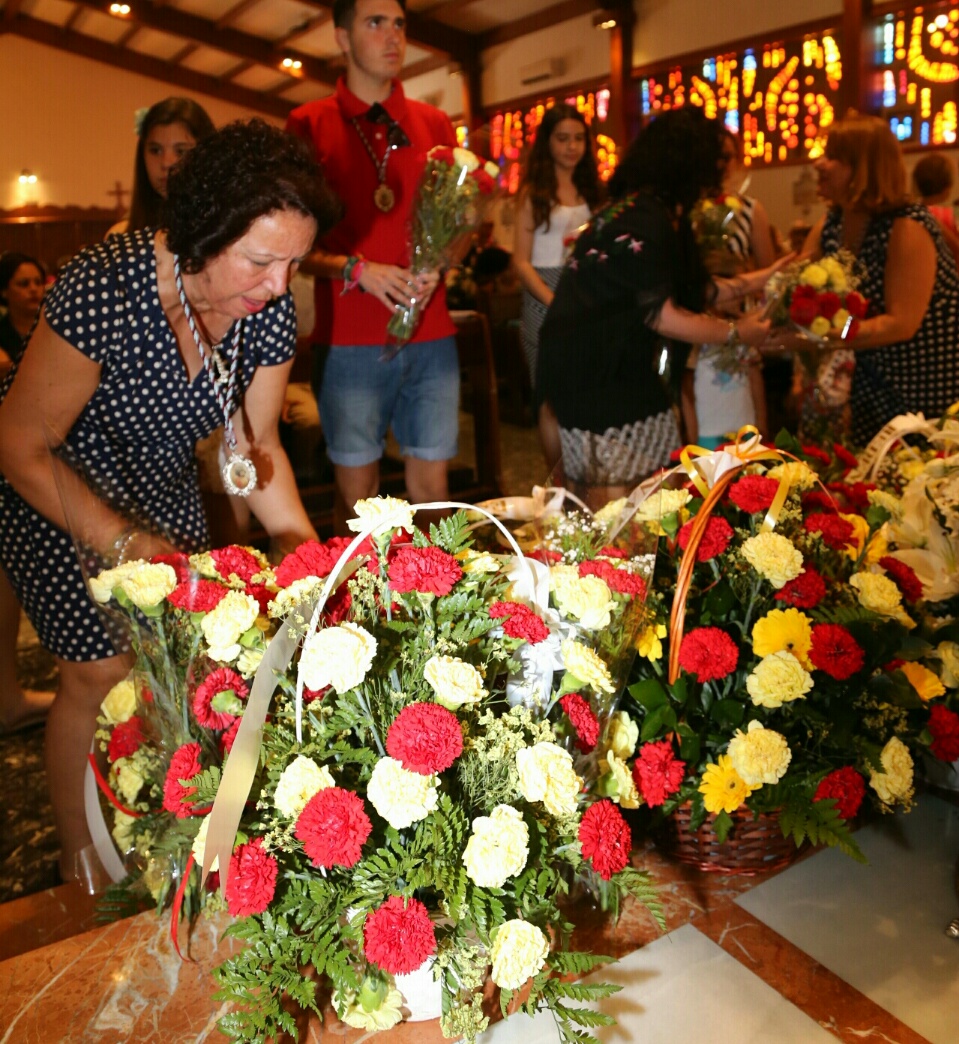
(723, 789)
(786, 630)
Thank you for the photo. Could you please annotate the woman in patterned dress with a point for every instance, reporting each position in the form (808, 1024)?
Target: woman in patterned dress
(101, 415)
(907, 348)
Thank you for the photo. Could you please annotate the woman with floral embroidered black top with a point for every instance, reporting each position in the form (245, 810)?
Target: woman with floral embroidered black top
(634, 282)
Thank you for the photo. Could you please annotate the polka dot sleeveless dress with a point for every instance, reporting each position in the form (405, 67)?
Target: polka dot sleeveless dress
(921, 374)
(133, 442)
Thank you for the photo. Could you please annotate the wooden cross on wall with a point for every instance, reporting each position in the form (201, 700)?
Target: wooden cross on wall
(119, 192)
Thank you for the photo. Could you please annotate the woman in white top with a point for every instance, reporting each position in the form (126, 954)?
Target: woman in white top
(560, 189)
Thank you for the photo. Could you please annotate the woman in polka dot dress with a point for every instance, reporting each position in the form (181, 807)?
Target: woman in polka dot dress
(907, 349)
(112, 394)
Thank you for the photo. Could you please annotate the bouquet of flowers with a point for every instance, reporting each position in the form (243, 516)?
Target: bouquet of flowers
(785, 692)
(713, 219)
(414, 807)
(447, 210)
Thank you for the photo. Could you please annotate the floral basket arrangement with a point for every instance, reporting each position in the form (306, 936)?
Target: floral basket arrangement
(770, 683)
(447, 210)
(406, 805)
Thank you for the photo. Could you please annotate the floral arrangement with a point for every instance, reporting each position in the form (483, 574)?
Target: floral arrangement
(447, 210)
(424, 795)
(713, 219)
(787, 691)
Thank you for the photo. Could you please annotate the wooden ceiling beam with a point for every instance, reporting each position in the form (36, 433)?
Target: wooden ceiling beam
(299, 31)
(127, 36)
(233, 13)
(10, 10)
(175, 22)
(145, 65)
(185, 51)
(561, 12)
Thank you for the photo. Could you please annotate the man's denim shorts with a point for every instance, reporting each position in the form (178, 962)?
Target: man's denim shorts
(416, 394)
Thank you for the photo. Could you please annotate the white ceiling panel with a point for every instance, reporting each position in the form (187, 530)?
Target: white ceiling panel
(209, 61)
(54, 11)
(272, 20)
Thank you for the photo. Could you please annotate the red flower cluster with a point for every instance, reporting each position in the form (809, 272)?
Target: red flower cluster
(333, 827)
(605, 838)
(806, 303)
(708, 653)
(399, 937)
(197, 596)
(583, 720)
(519, 621)
(836, 532)
(820, 500)
(753, 493)
(843, 455)
(944, 727)
(903, 576)
(835, 651)
(815, 451)
(261, 593)
(805, 592)
(613, 552)
(425, 738)
(856, 493)
(847, 787)
(252, 880)
(312, 558)
(715, 539)
(483, 181)
(619, 580)
(657, 772)
(228, 738)
(441, 154)
(185, 764)
(222, 680)
(429, 570)
(125, 739)
(234, 560)
(177, 561)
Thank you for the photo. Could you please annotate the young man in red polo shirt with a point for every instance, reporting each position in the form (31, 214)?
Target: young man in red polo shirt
(371, 141)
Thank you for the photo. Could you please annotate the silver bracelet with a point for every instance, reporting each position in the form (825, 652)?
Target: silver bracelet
(122, 542)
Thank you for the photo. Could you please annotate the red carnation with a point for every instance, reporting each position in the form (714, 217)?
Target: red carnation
(334, 827)
(185, 764)
(815, 452)
(805, 592)
(583, 720)
(429, 570)
(836, 532)
(893, 665)
(944, 727)
(622, 581)
(605, 838)
(820, 500)
(262, 594)
(802, 310)
(856, 305)
(657, 772)
(398, 936)
(178, 562)
(252, 880)
(236, 561)
(220, 681)
(847, 787)
(754, 493)
(843, 455)
(311, 558)
(197, 596)
(829, 304)
(519, 621)
(708, 653)
(441, 154)
(904, 577)
(613, 552)
(547, 557)
(125, 739)
(715, 539)
(804, 292)
(228, 738)
(835, 651)
(484, 182)
(425, 738)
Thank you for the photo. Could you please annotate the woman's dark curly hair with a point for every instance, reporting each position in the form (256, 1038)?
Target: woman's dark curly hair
(539, 178)
(243, 171)
(675, 157)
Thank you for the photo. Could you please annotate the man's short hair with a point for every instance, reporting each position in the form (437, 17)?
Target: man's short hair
(344, 10)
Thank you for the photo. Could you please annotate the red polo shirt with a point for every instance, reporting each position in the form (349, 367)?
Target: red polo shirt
(355, 317)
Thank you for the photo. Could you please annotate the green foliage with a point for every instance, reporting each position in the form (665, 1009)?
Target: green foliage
(820, 823)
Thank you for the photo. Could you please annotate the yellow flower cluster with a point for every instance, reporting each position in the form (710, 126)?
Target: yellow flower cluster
(649, 643)
(880, 595)
(374, 513)
(147, 585)
(759, 755)
(585, 598)
(227, 622)
(586, 666)
(783, 630)
(497, 848)
(300, 780)
(774, 557)
(777, 679)
(894, 783)
(546, 774)
(120, 702)
(519, 951)
(401, 797)
(455, 682)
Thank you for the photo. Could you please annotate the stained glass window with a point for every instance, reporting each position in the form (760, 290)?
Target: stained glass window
(915, 55)
(779, 96)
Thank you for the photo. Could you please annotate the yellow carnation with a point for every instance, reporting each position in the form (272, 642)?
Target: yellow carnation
(123, 831)
(610, 511)
(102, 585)
(859, 535)
(586, 666)
(148, 584)
(340, 656)
(129, 779)
(910, 469)
(546, 774)
(949, 654)
(880, 595)
(384, 1016)
(783, 630)
(370, 514)
(497, 848)
(623, 789)
(454, 682)
(120, 702)
(478, 561)
(880, 498)
(820, 326)
(924, 681)
(665, 502)
(894, 783)
(401, 797)
(306, 589)
(585, 598)
(797, 473)
(777, 679)
(622, 735)
(814, 275)
(227, 622)
(759, 755)
(248, 661)
(199, 846)
(723, 789)
(774, 557)
(519, 951)
(300, 780)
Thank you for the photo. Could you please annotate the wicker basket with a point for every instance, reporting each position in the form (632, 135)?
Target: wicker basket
(754, 845)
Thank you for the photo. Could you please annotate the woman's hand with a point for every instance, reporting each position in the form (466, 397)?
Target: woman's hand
(753, 328)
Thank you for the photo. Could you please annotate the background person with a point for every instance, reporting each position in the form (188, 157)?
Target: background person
(934, 178)
(371, 142)
(115, 371)
(559, 191)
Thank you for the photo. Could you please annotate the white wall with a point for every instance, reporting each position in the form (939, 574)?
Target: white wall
(438, 88)
(70, 121)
